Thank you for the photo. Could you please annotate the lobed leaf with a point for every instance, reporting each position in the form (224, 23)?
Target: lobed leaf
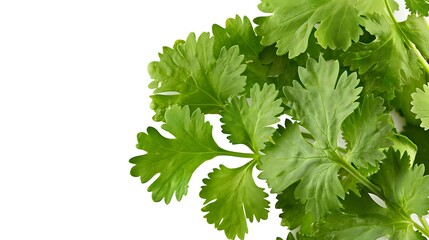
(292, 22)
(397, 66)
(249, 122)
(323, 101)
(190, 74)
(231, 196)
(367, 132)
(420, 105)
(420, 7)
(292, 159)
(404, 185)
(239, 32)
(175, 159)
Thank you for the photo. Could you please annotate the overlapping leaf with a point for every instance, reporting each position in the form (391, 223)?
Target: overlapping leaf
(417, 30)
(323, 101)
(239, 32)
(420, 138)
(293, 159)
(249, 122)
(421, 105)
(355, 222)
(231, 196)
(397, 66)
(190, 74)
(174, 159)
(292, 22)
(420, 7)
(404, 185)
(367, 132)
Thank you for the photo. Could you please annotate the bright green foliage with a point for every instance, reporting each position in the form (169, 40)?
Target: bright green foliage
(403, 145)
(367, 131)
(420, 7)
(231, 196)
(250, 123)
(323, 100)
(293, 211)
(189, 74)
(293, 159)
(403, 185)
(239, 32)
(417, 30)
(421, 105)
(397, 66)
(339, 24)
(336, 70)
(362, 219)
(174, 159)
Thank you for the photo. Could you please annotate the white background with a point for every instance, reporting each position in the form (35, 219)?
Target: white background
(73, 96)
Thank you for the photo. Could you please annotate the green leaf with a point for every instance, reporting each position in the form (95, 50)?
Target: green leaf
(174, 159)
(404, 145)
(386, 74)
(323, 100)
(367, 132)
(361, 223)
(420, 138)
(403, 185)
(240, 32)
(293, 211)
(403, 99)
(189, 74)
(293, 159)
(231, 196)
(420, 7)
(250, 123)
(292, 22)
(421, 105)
(417, 30)
(355, 222)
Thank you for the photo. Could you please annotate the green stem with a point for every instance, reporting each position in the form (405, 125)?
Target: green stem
(425, 226)
(363, 180)
(407, 41)
(238, 154)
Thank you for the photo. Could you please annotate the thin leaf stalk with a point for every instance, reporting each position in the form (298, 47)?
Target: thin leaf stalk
(425, 225)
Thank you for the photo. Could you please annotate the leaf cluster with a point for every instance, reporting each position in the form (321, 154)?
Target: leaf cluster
(336, 70)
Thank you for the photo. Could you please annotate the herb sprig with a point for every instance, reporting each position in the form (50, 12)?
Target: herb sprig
(337, 69)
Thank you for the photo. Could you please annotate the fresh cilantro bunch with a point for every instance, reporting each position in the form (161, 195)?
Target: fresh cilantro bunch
(337, 69)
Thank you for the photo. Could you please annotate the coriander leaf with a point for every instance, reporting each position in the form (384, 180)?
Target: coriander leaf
(418, 6)
(403, 99)
(292, 159)
(420, 138)
(249, 122)
(367, 132)
(231, 196)
(404, 145)
(292, 22)
(397, 66)
(174, 159)
(421, 105)
(189, 74)
(403, 185)
(240, 32)
(293, 211)
(417, 30)
(366, 7)
(355, 222)
(323, 100)
(282, 70)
